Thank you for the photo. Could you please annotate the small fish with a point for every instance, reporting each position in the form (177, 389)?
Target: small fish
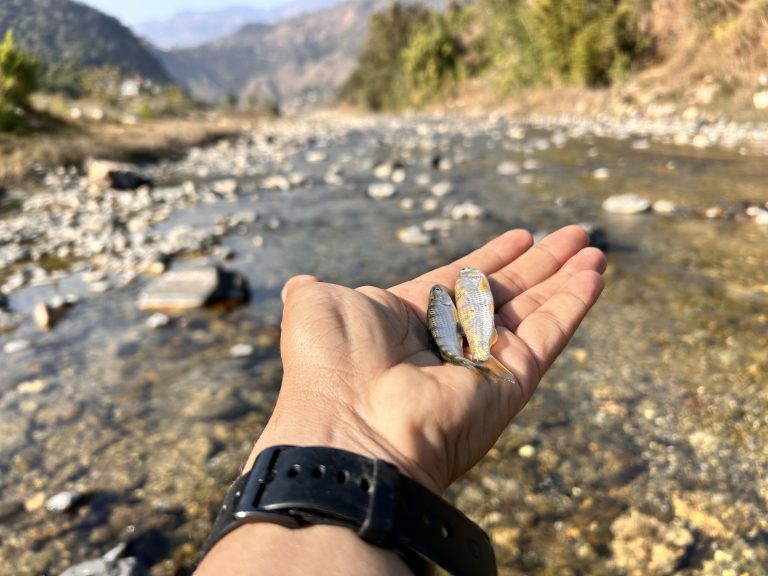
(474, 301)
(443, 324)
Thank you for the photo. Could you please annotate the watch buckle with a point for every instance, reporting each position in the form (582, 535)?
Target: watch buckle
(247, 507)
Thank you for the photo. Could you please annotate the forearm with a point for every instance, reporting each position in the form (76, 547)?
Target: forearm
(266, 548)
(321, 549)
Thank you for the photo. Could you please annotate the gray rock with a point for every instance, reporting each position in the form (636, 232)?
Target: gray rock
(15, 346)
(413, 235)
(100, 567)
(380, 190)
(441, 189)
(64, 501)
(157, 320)
(10, 509)
(194, 288)
(241, 350)
(115, 175)
(626, 204)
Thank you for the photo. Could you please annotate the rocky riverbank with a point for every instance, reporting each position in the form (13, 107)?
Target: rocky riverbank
(643, 453)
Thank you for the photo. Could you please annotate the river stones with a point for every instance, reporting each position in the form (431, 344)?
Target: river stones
(194, 288)
(115, 175)
(626, 204)
(644, 545)
(381, 190)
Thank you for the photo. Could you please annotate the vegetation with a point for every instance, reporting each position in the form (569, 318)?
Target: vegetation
(67, 35)
(18, 79)
(411, 56)
(378, 82)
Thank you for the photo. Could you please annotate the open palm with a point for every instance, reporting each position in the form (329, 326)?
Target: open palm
(360, 373)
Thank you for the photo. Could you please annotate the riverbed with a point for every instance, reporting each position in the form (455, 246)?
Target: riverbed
(644, 451)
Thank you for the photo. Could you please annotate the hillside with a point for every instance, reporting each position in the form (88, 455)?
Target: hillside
(301, 59)
(67, 32)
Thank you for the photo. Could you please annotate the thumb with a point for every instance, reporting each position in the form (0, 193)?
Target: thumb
(296, 282)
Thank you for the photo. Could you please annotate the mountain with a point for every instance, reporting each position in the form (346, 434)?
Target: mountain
(302, 59)
(63, 32)
(189, 28)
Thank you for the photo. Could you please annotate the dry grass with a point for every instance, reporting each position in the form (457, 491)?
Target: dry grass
(67, 144)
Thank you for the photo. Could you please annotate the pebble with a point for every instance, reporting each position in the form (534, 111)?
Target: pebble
(601, 174)
(626, 204)
(381, 190)
(241, 351)
(100, 567)
(527, 451)
(413, 235)
(441, 189)
(15, 346)
(35, 502)
(10, 508)
(466, 211)
(31, 387)
(507, 168)
(664, 207)
(64, 501)
(157, 320)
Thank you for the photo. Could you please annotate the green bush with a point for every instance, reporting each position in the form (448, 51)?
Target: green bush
(432, 59)
(18, 79)
(378, 82)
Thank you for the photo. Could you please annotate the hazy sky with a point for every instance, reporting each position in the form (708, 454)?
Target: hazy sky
(133, 11)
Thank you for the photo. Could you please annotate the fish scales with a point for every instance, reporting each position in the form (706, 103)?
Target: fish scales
(474, 300)
(443, 323)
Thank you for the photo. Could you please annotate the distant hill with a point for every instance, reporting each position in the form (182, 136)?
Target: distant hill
(300, 60)
(63, 32)
(189, 29)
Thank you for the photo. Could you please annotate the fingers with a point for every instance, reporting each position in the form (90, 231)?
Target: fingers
(489, 258)
(537, 264)
(295, 282)
(547, 330)
(514, 311)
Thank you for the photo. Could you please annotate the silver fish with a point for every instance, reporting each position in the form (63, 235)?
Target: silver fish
(474, 301)
(443, 324)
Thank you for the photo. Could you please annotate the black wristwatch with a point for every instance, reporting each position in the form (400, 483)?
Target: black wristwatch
(298, 486)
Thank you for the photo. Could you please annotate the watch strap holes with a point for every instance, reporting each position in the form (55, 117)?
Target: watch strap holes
(294, 470)
(342, 476)
(446, 530)
(365, 484)
(318, 471)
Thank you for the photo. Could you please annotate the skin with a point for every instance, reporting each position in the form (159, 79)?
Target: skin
(359, 375)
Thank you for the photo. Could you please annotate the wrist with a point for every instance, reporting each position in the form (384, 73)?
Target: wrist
(318, 422)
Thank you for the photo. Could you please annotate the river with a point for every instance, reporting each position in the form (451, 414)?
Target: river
(644, 451)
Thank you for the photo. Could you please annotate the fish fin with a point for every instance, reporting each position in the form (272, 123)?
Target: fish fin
(494, 337)
(497, 370)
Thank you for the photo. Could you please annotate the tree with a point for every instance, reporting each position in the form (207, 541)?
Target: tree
(18, 79)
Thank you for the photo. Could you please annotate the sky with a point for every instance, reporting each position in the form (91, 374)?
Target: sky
(136, 11)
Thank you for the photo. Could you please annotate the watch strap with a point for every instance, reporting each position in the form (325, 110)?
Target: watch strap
(296, 486)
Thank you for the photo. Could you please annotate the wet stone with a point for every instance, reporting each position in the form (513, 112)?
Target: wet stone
(9, 509)
(194, 288)
(101, 567)
(626, 204)
(64, 501)
(644, 545)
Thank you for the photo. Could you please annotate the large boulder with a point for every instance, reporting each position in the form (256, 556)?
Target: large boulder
(195, 288)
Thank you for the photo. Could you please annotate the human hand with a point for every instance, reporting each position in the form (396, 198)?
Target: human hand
(359, 373)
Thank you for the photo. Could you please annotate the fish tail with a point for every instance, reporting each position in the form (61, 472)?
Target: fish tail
(496, 370)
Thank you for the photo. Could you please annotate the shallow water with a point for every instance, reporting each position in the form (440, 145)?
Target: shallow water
(659, 405)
